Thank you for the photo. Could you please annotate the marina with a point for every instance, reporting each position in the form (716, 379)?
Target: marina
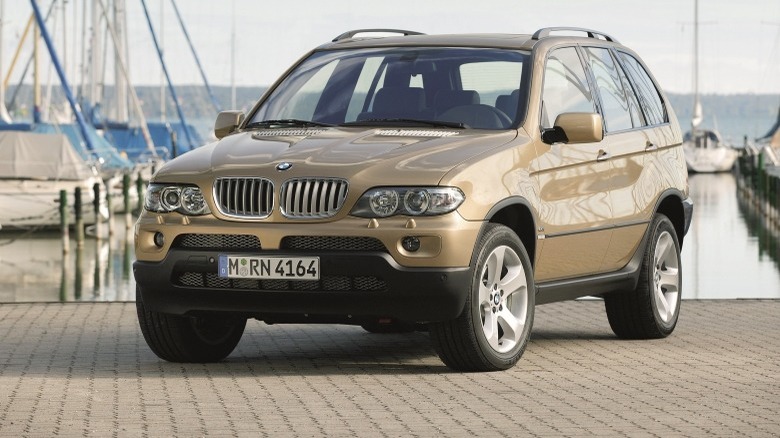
(107, 128)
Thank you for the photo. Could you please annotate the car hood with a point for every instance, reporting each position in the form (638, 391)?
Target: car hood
(408, 156)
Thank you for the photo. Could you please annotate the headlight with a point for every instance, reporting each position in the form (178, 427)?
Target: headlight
(184, 199)
(412, 201)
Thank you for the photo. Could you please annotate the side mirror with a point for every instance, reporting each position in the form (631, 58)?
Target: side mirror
(227, 122)
(575, 128)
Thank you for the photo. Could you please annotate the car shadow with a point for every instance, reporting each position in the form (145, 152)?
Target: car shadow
(264, 350)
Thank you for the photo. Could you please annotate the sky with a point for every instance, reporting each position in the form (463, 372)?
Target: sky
(739, 41)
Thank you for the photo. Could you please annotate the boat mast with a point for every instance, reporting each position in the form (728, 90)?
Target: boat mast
(4, 116)
(195, 55)
(36, 69)
(120, 53)
(121, 66)
(233, 59)
(697, 111)
(163, 98)
(185, 128)
(74, 106)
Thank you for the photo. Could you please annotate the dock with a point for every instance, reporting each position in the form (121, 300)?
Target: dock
(759, 183)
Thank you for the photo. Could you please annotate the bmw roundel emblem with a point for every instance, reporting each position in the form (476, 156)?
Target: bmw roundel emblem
(283, 166)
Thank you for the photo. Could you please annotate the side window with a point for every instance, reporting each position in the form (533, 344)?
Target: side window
(617, 115)
(633, 103)
(565, 89)
(649, 98)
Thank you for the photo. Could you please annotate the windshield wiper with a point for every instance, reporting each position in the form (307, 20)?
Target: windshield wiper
(286, 123)
(403, 121)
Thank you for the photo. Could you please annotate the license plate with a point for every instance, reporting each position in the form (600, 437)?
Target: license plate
(269, 268)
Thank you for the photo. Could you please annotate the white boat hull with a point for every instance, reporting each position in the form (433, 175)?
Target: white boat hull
(30, 203)
(709, 160)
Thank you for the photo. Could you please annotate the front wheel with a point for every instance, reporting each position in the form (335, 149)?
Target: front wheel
(492, 331)
(175, 338)
(652, 309)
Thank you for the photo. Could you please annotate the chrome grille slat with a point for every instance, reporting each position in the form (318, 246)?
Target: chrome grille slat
(313, 198)
(244, 197)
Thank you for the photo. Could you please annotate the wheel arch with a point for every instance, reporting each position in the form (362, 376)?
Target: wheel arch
(517, 214)
(670, 204)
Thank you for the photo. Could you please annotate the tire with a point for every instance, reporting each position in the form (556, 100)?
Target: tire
(197, 339)
(393, 326)
(480, 338)
(652, 309)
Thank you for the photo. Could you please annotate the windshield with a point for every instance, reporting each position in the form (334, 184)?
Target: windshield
(450, 87)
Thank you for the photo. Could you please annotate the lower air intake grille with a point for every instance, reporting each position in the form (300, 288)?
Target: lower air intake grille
(217, 241)
(332, 243)
(328, 284)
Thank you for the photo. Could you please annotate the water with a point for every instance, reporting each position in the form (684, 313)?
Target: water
(728, 253)
(33, 267)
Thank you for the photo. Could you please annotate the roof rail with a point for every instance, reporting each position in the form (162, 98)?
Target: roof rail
(545, 32)
(352, 33)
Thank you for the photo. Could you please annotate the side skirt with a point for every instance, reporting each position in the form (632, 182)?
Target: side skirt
(623, 280)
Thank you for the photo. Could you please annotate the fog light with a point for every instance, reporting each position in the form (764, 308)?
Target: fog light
(410, 243)
(159, 239)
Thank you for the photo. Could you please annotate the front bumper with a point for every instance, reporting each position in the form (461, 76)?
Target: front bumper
(355, 286)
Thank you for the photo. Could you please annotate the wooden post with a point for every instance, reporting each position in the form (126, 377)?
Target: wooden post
(64, 221)
(139, 187)
(78, 275)
(110, 207)
(79, 222)
(96, 207)
(126, 195)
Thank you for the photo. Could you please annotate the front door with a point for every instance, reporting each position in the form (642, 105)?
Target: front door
(575, 215)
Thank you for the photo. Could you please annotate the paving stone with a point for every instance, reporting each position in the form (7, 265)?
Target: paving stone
(84, 370)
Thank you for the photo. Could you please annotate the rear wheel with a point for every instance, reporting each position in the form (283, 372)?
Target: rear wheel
(652, 309)
(492, 331)
(175, 338)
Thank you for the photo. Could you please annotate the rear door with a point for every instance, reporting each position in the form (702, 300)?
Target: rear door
(631, 141)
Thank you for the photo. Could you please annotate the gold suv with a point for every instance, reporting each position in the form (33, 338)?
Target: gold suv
(444, 182)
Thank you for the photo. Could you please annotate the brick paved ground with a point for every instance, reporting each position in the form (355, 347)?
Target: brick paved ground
(84, 369)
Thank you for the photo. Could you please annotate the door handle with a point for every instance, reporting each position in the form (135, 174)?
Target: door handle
(603, 155)
(650, 146)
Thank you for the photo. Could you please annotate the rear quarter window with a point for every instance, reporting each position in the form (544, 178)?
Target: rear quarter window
(649, 98)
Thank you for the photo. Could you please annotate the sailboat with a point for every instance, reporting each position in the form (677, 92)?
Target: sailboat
(705, 150)
(34, 168)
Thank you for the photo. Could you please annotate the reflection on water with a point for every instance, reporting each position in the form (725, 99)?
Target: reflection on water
(33, 268)
(728, 253)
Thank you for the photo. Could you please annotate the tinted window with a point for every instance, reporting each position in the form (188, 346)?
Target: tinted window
(565, 88)
(637, 119)
(649, 99)
(491, 79)
(617, 116)
(461, 85)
